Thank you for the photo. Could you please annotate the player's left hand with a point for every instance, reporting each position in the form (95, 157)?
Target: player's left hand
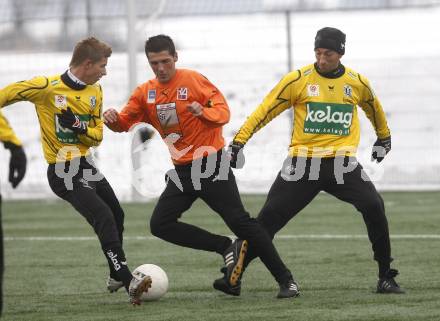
(195, 108)
(17, 164)
(71, 121)
(236, 156)
(380, 148)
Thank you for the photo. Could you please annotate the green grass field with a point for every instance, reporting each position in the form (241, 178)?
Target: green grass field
(64, 278)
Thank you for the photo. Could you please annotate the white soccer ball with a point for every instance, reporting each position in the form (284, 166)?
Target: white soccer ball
(159, 281)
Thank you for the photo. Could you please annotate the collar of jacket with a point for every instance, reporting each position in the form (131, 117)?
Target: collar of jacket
(336, 73)
(69, 82)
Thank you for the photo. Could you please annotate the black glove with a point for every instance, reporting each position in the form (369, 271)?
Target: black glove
(71, 121)
(380, 148)
(235, 152)
(17, 164)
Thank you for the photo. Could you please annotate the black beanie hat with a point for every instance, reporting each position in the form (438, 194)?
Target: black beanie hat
(330, 38)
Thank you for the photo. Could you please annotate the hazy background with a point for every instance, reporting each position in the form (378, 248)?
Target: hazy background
(243, 48)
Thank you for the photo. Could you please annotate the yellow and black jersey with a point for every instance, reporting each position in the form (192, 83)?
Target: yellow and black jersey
(52, 94)
(325, 121)
(7, 135)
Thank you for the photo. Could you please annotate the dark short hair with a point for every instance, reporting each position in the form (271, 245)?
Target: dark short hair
(89, 48)
(160, 43)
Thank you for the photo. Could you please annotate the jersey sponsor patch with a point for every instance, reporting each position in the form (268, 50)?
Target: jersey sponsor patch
(182, 93)
(60, 101)
(328, 118)
(151, 98)
(313, 90)
(167, 115)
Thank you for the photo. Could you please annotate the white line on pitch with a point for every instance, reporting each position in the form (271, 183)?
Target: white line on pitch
(356, 236)
(282, 237)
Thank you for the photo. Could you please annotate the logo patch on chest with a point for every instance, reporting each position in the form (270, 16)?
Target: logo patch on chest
(60, 101)
(348, 91)
(151, 97)
(92, 100)
(167, 115)
(313, 90)
(168, 119)
(182, 93)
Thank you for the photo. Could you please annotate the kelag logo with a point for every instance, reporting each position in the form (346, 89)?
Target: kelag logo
(328, 118)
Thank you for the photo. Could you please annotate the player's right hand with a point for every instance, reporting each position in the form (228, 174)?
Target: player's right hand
(17, 164)
(235, 152)
(110, 116)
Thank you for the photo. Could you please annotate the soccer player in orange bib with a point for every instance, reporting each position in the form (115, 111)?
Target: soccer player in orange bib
(189, 112)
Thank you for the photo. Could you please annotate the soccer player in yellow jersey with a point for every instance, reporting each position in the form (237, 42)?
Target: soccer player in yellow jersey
(17, 169)
(69, 108)
(324, 97)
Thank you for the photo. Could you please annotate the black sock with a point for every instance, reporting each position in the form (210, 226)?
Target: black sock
(113, 274)
(227, 243)
(383, 268)
(117, 258)
(285, 277)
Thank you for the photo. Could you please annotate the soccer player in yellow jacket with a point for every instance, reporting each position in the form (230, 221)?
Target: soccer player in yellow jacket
(69, 108)
(17, 169)
(324, 97)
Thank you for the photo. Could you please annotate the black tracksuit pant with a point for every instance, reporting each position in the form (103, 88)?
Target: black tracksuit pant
(223, 197)
(96, 201)
(289, 195)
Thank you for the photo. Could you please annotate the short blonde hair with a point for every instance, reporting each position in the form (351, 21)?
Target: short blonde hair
(89, 48)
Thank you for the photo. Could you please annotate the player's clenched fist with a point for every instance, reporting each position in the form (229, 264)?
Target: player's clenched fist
(111, 119)
(110, 116)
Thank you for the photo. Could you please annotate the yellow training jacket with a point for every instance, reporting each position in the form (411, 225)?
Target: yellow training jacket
(325, 120)
(50, 95)
(6, 132)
